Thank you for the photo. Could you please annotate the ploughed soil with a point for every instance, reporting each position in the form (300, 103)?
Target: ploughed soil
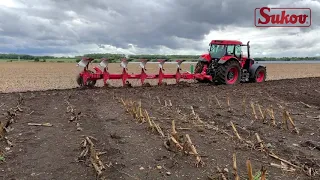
(129, 149)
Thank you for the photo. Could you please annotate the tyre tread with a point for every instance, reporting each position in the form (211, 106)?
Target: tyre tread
(222, 69)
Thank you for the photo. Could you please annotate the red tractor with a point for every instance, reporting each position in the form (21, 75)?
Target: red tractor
(225, 64)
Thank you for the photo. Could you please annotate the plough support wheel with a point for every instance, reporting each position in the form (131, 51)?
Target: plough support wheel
(89, 83)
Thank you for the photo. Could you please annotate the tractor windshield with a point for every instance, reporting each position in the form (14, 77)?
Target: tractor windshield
(217, 51)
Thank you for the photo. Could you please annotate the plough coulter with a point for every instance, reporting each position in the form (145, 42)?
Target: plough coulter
(223, 64)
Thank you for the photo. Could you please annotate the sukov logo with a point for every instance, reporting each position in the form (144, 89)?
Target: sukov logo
(282, 17)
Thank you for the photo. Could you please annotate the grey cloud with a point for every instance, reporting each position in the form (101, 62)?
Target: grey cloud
(36, 50)
(224, 12)
(147, 24)
(283, 44)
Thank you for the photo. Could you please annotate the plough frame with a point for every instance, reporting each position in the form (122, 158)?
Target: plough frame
(86, 75)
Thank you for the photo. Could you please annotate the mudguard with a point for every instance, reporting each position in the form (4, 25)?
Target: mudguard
(225, 59)
(253, 68)
(202, 60)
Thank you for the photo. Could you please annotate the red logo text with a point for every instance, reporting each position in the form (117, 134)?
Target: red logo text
(282, 17)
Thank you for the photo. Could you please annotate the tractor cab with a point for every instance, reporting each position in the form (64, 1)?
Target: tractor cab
(225, 55)
(226, 49)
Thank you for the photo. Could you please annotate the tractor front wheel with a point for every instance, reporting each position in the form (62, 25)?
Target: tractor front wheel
(89, 83)
(260, 75)
(228, 73)
(198, 69)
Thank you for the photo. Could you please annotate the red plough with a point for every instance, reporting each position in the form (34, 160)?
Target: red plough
(88, 78)
(224, 63)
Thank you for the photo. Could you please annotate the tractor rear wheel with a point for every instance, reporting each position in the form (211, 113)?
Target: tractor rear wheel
(228, 73)
(198, 69)
(90, 83)
(260, 75)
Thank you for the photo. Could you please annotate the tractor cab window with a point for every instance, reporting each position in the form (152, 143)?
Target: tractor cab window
(238, 51)
(217, 51)
(230, 50)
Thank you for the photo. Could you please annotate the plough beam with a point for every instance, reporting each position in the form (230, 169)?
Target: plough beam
(104, 74)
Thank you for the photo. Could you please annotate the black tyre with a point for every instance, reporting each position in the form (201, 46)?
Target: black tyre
(260, 75)
(90, 83)
(198, 69)
(228, 73)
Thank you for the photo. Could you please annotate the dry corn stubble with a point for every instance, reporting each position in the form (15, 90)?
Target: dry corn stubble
(262, 113)
(271, 114)
(235, 169)
(260, 175)
(89, 149)
(218, 102)
(303, 168)
(75, 116)
(193, 149)
(11, 116)
(271, 154)
(188, 146)
(286, 118)
(135, 109)
(228, 103)
(249, 170)
(254, 110)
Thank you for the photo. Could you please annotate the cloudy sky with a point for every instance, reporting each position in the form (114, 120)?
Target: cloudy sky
(75, 27)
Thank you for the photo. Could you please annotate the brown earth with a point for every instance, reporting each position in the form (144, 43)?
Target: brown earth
(132, 151)
(22, 76)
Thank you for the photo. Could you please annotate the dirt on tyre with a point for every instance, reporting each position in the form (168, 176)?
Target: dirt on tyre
(89, 83)
(228, 73)
(260, 75)
(198, 69)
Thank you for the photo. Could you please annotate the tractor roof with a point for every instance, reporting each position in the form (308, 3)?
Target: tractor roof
(226, 42)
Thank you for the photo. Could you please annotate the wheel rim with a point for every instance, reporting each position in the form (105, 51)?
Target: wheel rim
(232, 75)
(260, 76)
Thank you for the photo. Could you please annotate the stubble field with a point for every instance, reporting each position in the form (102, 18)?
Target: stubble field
(185, 131)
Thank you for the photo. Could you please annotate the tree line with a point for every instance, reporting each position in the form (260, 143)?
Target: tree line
(24, 56)
(117, 57)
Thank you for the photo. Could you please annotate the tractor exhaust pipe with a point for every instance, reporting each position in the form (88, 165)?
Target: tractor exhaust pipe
(248, 48)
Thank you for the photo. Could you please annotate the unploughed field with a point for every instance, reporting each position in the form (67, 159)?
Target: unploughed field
(78, 131)
(22, 76)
